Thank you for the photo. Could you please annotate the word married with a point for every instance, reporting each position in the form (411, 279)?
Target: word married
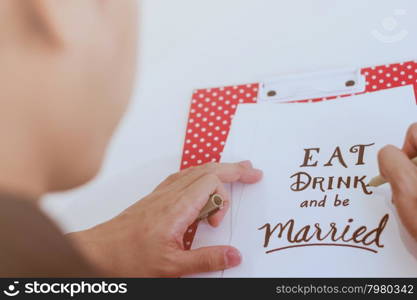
(318, 235)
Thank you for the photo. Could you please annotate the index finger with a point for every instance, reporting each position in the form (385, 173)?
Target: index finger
(410, 143)
(225, 172)
(242, 171)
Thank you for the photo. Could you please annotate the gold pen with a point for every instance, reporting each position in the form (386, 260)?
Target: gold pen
(214, 204)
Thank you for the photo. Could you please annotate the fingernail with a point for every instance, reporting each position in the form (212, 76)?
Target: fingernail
(246, 164)
(258, 172)
(233, 258)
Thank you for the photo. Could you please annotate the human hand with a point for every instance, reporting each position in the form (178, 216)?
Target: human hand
(146, 240)
(396, 167)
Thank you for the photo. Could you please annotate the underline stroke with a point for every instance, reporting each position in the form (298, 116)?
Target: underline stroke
(321, 244)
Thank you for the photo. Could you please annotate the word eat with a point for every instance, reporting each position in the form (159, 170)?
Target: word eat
(359, 149)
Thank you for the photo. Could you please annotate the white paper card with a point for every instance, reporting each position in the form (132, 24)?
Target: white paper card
(312, 214)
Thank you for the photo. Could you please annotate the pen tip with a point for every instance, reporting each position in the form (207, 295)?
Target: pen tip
(376, 181)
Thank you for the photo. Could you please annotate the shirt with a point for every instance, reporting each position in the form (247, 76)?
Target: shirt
(31, 245)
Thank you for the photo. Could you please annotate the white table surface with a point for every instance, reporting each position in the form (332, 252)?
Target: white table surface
(188, 44)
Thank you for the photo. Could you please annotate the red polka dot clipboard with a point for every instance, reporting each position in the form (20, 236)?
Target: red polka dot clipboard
(212, 109)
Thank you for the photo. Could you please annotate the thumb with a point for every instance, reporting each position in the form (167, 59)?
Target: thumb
(208, 259)
(401, 173)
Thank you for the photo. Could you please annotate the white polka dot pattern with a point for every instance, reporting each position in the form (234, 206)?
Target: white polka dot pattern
(212, 111)
(209, 121)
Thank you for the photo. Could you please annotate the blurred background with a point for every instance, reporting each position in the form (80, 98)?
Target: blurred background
(189, 44)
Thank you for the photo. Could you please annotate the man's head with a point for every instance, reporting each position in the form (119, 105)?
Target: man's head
(66, 75)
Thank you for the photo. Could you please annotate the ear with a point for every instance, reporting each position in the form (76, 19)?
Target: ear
(62, 21)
